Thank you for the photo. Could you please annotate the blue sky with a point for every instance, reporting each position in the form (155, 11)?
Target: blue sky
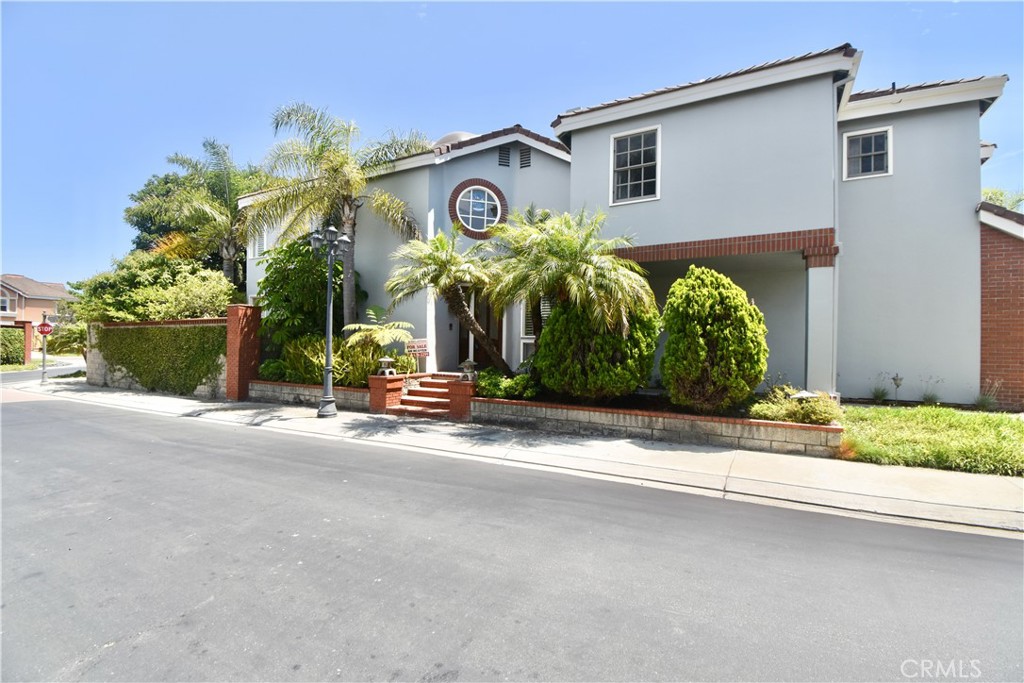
(96, 96)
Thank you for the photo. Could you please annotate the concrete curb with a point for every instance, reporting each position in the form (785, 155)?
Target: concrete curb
(967, 502)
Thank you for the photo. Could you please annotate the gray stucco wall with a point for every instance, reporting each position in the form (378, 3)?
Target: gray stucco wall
(777, 284)
(752, 163)
(909, 269)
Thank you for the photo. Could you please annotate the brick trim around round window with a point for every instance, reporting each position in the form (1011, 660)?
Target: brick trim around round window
(453, 201)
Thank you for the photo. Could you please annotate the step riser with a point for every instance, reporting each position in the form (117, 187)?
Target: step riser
(438, 403)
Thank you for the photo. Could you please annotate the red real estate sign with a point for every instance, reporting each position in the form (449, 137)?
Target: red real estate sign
(44, 329)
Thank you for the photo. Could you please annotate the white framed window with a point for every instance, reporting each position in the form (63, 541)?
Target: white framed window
(5, 304)
(478, 208)
(867, 153)
(527, 338)
(635, 166)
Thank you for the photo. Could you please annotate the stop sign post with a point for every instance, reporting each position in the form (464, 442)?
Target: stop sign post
(44, 328)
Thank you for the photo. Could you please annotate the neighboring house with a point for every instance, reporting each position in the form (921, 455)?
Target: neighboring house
(851, 218)
(22, 298)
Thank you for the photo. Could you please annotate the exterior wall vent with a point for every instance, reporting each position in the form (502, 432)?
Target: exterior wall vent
(504, 156)
(525, 154)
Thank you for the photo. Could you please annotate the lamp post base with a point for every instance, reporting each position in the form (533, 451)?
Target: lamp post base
(327, 407)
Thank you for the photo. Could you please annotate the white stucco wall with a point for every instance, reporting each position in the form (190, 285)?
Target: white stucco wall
(909, 269)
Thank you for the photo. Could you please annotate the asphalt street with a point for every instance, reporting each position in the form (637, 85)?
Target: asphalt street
(54, 368)
(146, 547)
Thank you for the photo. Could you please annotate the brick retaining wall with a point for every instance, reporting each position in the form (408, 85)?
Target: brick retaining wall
(756, 435)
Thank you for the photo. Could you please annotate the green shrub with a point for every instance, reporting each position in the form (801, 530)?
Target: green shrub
(272, 370)
(716, 352)
(302, 362)
(148, 286)
(12, 346)
(575, 358)
(492, 384)
(173, 359)
(405, 364)
(778, 405)
(293, 293)
(67, 338)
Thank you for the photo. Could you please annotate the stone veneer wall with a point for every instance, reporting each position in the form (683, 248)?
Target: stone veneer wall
(756, 435)
(346, 398)
(100, 373)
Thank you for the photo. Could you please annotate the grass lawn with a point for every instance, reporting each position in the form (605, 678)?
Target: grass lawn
(943, 438)
(34, 365)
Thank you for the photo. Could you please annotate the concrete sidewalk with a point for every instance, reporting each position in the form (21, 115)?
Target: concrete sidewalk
(956, 500)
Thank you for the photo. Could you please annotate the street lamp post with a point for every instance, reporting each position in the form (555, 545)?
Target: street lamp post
(334, 244)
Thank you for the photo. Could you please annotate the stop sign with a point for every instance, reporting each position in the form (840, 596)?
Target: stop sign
(44, 329)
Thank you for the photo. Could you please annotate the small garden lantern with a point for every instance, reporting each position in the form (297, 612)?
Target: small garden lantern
(385, 366)
(327, 241)
(468, 371)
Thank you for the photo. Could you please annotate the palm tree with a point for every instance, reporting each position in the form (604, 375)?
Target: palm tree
(328, 183)
(436, 264)
(205, 207)
(563, 258)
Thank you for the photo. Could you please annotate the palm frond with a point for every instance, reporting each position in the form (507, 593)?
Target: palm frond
(380, 156)
(395, 213)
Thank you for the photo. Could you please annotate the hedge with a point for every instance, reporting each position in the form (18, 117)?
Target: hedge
(171, 359)
(12, 346)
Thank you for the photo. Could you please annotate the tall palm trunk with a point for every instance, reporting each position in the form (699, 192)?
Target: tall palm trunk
(228, 251)
(348, 264)
(457, 304)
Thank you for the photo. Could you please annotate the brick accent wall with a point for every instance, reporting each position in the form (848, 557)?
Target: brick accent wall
(819, 247)
(1002, 315)
(385, 392)
(243, 358)
(459, 395)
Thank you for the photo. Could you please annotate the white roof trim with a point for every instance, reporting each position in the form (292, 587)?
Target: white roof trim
(954, 93)
(429, 159)
(999, 223)
(706, 91)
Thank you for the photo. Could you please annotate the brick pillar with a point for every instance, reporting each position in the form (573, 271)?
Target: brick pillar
(243, 353)
(385, 392)
(26, 325)
(459, 394)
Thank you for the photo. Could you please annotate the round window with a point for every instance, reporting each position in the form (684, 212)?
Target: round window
(478, 208)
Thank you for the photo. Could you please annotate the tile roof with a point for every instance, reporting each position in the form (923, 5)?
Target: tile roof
(845, 49)
(35, 288)
(882, 92)
(1002, 212)
(513, 130)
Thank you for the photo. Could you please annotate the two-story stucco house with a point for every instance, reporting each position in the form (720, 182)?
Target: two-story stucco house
(851, 218)
(22, 298)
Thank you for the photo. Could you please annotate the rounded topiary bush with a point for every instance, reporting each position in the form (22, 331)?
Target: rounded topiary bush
(575, 358)
(716, 351)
